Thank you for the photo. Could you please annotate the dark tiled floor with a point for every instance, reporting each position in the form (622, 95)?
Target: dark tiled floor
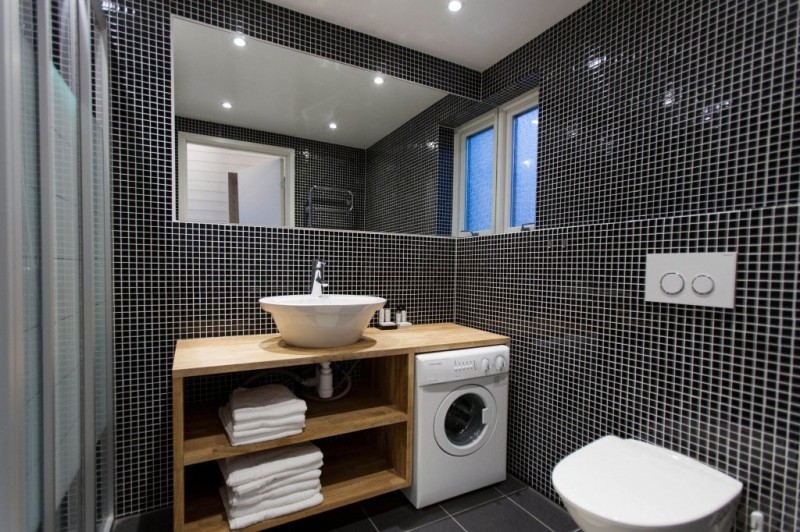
(510, 506)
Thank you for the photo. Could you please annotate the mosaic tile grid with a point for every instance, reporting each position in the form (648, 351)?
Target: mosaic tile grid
(409, 177)
(635, 133)
(590, 357)
(663, 108)
(316, 163)
(176, 280)
(666, 127)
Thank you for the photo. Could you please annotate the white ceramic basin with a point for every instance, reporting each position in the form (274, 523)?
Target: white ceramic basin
(321, 321)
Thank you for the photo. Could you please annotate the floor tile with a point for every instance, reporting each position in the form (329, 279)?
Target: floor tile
(443, 525)
(470, 500)
(544, 509)
(158, 520)
(347, 519)
(511, 485)
(392, 512)
(499, 515)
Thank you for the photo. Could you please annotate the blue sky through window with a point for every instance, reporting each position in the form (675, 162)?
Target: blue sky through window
(523, 167)
(479, 181)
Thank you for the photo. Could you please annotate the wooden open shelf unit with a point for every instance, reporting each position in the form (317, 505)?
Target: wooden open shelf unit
(366, 437)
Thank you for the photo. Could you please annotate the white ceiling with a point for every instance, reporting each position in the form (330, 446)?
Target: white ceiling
(478, 36)
(285, 91)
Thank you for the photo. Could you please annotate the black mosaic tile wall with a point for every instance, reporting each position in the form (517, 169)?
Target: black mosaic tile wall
(316, 163)
(409, 176)
(178, 280)
(665, 127)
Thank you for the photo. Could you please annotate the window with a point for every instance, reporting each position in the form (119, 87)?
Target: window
(230, 181)
(479, 183)
(495, 169)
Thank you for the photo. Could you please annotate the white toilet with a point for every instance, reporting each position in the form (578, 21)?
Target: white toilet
(627, 485)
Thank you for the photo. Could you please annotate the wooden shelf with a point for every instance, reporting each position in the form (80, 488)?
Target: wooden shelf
(366, 437)
(351, 473)
(205, 438)
(209, 356)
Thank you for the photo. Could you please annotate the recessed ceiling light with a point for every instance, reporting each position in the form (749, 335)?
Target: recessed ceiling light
(239, 39)
(226, 105)
(332, 125)
(378, 79)
(455, 5)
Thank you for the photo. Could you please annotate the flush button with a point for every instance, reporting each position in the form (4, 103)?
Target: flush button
(672, 283)
(703, 284)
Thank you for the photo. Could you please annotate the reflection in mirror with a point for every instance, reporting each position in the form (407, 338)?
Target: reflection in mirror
(230, 181)
(379, 169)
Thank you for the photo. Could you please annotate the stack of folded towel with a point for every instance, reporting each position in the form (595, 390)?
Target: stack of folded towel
(264, 413)
(269, 484)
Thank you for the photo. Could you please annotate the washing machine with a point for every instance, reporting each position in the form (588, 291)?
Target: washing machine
(460, 423)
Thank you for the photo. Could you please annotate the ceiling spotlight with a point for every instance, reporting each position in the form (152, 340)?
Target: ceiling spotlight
(455, 5)
(226, 105)
(378, 79)
(239, 40)
(332, 125)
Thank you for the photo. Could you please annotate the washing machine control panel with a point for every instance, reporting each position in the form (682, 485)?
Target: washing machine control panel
(462, 364)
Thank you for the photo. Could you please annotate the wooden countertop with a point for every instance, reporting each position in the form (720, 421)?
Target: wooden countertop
(227, 354)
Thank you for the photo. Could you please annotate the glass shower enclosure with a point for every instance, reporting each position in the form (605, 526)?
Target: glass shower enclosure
(56, 301)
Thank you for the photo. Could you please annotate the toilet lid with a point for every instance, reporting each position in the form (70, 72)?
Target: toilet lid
(639, 484)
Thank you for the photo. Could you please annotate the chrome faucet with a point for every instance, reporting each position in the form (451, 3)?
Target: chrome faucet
(318, 282)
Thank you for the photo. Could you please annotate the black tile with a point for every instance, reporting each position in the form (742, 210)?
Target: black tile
(545, 510)
(470, 500)
(511, 485)
(347, 519)
(393, 512)
(501, 514)
(443, 525)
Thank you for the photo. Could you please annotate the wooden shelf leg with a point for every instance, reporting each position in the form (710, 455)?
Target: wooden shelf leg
(178, 480)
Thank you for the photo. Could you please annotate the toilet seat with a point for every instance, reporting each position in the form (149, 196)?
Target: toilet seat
(641, 485)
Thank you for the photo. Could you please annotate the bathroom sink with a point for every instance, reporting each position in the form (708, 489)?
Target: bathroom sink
(321, 321)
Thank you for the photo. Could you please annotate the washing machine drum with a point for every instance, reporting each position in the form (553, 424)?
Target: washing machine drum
(465, 420)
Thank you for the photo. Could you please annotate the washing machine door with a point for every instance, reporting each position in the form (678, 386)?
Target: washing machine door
(465, 420)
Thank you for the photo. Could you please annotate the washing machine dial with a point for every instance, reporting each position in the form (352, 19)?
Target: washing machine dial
(485, 364)
(499, 363)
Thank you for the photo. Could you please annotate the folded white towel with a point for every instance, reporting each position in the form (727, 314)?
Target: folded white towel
(268, 503)
(264, 464)
(256, 497)
(299, 419)
(301, 481)
(273, 401)
(244, 437)
(284, 495)
(248, 428)
(249, 487)
(270, 513)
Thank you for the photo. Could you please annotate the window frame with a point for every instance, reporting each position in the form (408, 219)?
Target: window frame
(288, 168)
(502, 119)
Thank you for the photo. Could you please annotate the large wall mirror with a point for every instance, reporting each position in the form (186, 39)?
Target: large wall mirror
(268, 135)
